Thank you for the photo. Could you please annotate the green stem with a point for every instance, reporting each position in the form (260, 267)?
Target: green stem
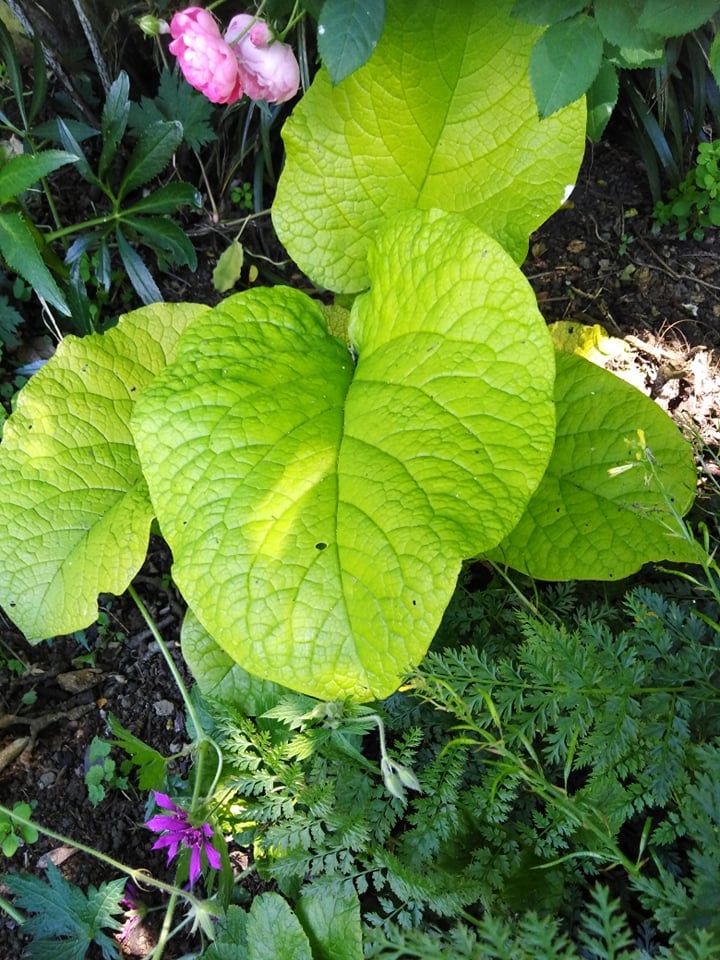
(166, 929)
(201, 738)
(138, 876)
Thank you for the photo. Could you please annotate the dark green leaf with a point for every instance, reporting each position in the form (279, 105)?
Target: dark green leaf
(564, 62)
(114, 120)
(10, 320)
(68, 140)
(544, 12)
(176, 100)
(668, 18)
(138, 274)
(348, 32)
(167, 199)
(619, 23)
(601, 99)
(18, 249)
(8, 56)
(151, 154)
(40, 80)
(166, 238)
(21, 172)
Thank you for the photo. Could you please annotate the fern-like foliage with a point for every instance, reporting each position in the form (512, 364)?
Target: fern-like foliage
(65, 920)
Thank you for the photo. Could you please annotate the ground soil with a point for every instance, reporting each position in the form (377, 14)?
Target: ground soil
(596, 261)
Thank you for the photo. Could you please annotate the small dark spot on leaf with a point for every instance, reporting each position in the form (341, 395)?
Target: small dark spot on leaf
(321, 545)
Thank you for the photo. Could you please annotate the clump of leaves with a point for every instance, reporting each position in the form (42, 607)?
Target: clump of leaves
(694, 205)
(101, 773)
(65, 920)
(12, 834)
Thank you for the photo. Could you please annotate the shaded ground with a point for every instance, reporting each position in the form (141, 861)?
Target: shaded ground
(596, 261)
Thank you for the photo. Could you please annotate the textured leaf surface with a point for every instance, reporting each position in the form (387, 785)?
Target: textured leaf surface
(585, 521)
(75, 514)
(274, 932)
(331, 920)
(318, 513)
(441, 116)
(218, 675)
(19, 173)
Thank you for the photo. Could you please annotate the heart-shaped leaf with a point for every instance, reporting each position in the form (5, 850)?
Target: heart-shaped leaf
(75, 513)
(318, 512)
(441, 116)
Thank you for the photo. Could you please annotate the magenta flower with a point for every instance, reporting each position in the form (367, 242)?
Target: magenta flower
(179, 832)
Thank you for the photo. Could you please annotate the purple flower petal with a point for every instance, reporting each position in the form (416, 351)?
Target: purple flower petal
(163, 800)
(164, 821)
(195, 865)
(213, 856)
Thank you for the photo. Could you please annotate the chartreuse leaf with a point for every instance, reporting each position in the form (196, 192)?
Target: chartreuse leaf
(318, 512)
(274, 932)
(441, 116)
(348, 32)
(75, 513)
(598, 514)
(221, 677)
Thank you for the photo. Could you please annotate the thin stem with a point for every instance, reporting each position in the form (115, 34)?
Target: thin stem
(201, 738)
(165, 931)
(138, 876)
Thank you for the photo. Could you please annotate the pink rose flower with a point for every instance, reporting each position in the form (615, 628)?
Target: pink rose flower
(268, 67)
(207, 61)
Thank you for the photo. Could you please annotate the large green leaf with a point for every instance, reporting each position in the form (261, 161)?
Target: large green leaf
(274, 932)
(597, 515)
(441, 116)
(348, 33)
(319, 512)
(221, 677)
(564, 63)
(75, 514)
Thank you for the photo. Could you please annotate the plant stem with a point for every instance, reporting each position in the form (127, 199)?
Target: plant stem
(201, 738)
(138, 876)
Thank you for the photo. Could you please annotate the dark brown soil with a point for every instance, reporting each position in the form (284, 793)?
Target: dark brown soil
(595, 261)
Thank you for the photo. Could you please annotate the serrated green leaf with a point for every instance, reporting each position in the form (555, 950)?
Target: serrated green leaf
(586, 521)
(228, 267)
(138, 274)
(331, 920)
(274, 932)
(348, 32)
(21, 172)
(176, 100)
(151, 764)
(231, 939)
(113, 121)
(545, 12)
(564, 63)
(75, 515)
(18, 250)
(451, 126)
(165, 237)
(337, 503)
(601, 99)
(151, 154)
(668, 18)
(620, 23)
(167, 199)
(219, 676)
